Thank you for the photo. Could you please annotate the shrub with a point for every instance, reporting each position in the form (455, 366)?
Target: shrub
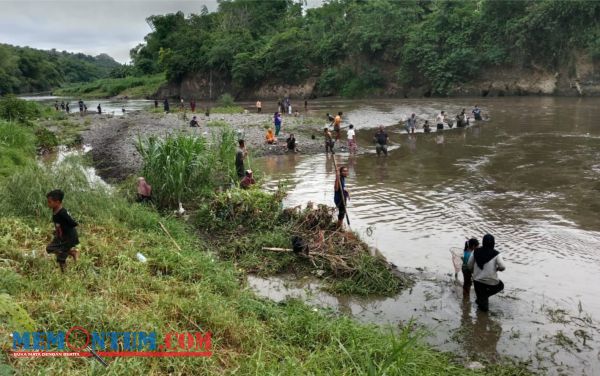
(226, 100)
(183, 168)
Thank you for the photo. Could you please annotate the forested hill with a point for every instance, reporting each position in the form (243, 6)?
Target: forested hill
(358, 47)
(28, 70)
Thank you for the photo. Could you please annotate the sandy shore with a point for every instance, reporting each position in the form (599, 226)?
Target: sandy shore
(113, 138)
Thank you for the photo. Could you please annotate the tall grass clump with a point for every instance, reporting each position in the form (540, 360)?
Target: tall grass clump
(15, 109)
(17, 144)
(185, 168)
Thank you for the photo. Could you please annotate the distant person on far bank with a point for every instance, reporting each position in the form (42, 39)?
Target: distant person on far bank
(485, 263)
(381, 140)
(258, 106)
(240, 155)
(351, 139)
(305, 105)
(99, 108)
(476, 113)
(193, 105)
(68, 108)
(166, 105)
(156, 103)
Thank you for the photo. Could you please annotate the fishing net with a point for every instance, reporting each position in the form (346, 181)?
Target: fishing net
(457, 259)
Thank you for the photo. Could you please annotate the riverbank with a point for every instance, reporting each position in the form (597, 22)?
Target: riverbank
(113, 138)
(181, 286)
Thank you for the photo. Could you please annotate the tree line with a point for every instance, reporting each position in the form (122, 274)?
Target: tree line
(355, 47)
(28, 70)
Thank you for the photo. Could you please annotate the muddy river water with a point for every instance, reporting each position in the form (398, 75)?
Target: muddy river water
(530, 176)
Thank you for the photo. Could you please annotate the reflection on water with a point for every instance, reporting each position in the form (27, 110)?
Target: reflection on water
(529, 176)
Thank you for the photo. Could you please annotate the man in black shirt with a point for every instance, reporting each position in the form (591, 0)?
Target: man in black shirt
(65, 234)
(194, 122)
(291, 143)
(381, 139)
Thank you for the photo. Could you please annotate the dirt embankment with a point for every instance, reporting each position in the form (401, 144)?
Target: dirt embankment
(580, 76)
(113, 138)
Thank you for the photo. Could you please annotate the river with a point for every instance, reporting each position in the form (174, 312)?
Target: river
(530, 176)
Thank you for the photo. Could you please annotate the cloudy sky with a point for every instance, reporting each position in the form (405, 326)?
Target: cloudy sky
(89, 26)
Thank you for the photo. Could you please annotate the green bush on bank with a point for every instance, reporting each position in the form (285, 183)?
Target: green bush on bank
(184, 169)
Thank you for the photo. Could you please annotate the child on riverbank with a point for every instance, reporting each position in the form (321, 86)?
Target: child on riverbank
(470, 246)
(65, 235)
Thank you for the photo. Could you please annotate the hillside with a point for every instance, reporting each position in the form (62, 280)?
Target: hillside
(381, 47)
(28, 70)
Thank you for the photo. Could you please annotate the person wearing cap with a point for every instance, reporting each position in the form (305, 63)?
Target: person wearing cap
(194, 122)
(248, 180)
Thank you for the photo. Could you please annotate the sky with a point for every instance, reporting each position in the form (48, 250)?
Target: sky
(89, 26)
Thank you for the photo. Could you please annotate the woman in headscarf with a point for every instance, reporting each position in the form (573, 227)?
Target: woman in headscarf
(485, 264)
(144, 190)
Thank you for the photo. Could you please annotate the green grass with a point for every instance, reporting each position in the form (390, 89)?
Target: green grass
(184, 169)
(133, 87)
(109, 290)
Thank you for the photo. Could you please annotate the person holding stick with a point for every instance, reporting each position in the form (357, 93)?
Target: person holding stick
(341, 195)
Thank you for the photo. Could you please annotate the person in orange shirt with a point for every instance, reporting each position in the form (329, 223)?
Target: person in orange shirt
(270, 137)
(337, 123)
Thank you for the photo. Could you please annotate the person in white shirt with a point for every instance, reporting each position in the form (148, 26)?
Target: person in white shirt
(351, 139)
(485, 263)
(440, 121)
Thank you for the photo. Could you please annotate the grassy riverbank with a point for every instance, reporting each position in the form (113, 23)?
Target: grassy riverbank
(132, 87)
(189, 289)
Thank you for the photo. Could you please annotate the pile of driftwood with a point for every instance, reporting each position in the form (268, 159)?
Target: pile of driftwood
(315, 236)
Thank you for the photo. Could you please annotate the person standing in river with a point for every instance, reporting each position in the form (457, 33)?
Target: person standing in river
(381, 140)
(341, 195)
(329, 142)
(485, 263)
(470, 247)
(80, 106)
(337, 126)
(67, 108)
(99, 108)
(476, 113)
(411, 123)
(351, 139)
(441, 118)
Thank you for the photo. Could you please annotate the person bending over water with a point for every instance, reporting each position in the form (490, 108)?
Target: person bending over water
(341, 195)
(291, 143)
(485, 264)
(426, 127)
(329, 142)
